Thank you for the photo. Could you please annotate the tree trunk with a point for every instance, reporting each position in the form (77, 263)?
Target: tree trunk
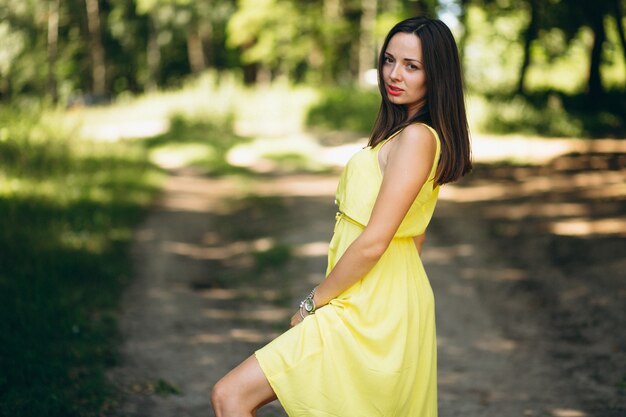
(529, 36)
(617, 10)
(367, 53)
(462, 42)
(332, 9)
(195, 50)
(594, 84)
(53, 38)
(206, 37)
(330, 56)
(96, 49)
(153, 53)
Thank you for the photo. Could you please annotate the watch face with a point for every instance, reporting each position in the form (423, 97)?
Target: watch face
(308, 305)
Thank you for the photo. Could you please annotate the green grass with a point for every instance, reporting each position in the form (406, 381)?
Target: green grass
(67, 210)
(550, 113)
(274, 257)
(345, 109)
(202, 142)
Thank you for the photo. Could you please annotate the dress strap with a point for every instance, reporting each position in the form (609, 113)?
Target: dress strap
(382, 142)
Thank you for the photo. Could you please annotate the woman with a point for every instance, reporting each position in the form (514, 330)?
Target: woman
(362, 343)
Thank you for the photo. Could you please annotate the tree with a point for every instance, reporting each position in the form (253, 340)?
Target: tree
(53, 38)
(530, 34)
(367, 54)
(278, 36)
(96, 49)
(618, 16)
(595, 88)
(571, 18)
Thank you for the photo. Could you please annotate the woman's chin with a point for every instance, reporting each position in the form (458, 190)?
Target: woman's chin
(395, 99)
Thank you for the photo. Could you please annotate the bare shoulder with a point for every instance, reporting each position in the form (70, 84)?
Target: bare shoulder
(416, 138)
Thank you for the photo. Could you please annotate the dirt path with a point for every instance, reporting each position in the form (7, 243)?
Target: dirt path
(220, 263)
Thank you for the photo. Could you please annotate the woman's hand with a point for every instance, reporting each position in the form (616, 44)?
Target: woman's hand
(297, 318)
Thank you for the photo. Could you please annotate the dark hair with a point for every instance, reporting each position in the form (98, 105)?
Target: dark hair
(444, 107)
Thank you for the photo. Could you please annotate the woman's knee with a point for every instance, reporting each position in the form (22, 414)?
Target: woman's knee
(223, 397)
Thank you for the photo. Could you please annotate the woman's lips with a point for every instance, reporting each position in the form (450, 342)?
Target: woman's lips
(394, 91)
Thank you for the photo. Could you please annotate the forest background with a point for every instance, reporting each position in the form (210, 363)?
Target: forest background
(560, 57)
(99, 99)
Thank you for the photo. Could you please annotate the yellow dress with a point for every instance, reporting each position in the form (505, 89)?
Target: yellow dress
(370, 352)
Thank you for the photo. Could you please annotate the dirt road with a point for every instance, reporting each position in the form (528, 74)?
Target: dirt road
(220, 264)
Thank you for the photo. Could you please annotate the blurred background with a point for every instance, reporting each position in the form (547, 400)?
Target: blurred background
(557, 67)
(107, 107)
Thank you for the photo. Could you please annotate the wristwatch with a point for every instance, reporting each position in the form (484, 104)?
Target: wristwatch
(308, 304)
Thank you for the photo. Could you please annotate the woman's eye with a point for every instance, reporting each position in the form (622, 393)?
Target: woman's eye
(388, 60)
(412, 67)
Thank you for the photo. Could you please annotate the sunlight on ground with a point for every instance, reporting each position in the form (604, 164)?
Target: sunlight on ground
(110, 132)
(312, 249)
(500, 274)
(444, 254)
(536, 150)
(487, 148)
(266, 314)
(526, 209)
(601, 184)
(178, 156)
(298, 186)
(496, 345)
(256, 155)
(589, 227)
(222, 251)
(252, 335)
(566, 412)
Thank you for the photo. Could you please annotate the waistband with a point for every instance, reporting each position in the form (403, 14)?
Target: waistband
(342, 215)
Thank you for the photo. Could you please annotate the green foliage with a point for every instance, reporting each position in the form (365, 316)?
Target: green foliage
(508, 47)
(518, 115)
(275, 257)
(493, 52)
(278, 33)
(163, 389)
(292, 161)
(345, 109)
(551, 113)
(202, 142)
(67, 209)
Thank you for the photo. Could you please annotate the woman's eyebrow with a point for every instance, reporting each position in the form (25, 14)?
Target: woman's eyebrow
(404, 59)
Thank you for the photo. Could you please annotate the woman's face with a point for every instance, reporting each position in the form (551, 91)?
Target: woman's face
(404, 76)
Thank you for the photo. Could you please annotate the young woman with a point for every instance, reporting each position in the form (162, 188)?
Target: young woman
(363, 343)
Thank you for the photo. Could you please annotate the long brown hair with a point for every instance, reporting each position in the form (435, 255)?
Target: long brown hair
(444, 107)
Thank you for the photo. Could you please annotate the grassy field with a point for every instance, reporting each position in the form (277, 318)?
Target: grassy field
(67, 210)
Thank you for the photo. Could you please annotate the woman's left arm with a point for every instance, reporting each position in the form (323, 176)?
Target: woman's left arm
(408, 165)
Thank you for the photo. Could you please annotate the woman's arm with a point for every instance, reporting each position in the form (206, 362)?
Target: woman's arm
(408, 164)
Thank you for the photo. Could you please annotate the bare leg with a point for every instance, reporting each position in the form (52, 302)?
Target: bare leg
(242, 391)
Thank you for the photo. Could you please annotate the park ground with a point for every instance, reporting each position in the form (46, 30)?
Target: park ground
(525, 256)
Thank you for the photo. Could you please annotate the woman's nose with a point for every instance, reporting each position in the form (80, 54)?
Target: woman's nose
(395, 73)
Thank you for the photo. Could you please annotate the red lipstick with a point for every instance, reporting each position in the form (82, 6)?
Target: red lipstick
(394, 91)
